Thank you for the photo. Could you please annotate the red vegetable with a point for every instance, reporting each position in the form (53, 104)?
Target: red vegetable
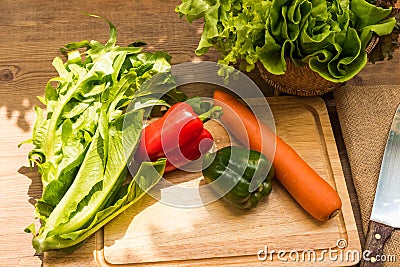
(179, 157)
(178, 136)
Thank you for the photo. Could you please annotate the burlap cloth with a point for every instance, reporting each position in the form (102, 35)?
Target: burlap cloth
(365, 114)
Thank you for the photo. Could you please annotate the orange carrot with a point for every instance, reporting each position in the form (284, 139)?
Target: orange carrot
(311, 191)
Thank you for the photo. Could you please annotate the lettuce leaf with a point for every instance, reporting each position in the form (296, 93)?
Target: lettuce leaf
(84, 142)
(146, 178)
(330, 36)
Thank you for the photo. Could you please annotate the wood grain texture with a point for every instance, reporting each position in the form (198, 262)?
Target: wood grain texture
(155, 233)
(377, 235)
(31, 33)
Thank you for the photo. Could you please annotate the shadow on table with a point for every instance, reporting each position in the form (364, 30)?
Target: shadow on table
(16, 98)
(35, 188)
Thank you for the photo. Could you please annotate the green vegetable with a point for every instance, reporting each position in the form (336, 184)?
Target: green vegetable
(242, 176)
(83, 145)
(330, 36)
(387, 44)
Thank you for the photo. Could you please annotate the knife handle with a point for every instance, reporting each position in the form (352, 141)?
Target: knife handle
(377, 235)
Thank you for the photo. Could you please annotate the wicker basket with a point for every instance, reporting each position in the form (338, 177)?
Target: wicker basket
(303, 81)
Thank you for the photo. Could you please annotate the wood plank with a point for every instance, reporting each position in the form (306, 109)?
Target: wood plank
(31, 34)
(19, 189)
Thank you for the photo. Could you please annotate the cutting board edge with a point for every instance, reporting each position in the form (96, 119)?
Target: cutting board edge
(248, 260)
(346, 219)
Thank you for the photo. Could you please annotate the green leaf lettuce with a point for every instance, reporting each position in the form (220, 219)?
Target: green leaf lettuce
(330, 36)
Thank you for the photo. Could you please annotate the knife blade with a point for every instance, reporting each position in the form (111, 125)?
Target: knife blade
(385, 215)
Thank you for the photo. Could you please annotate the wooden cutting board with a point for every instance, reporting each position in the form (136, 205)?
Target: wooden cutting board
(153, 233)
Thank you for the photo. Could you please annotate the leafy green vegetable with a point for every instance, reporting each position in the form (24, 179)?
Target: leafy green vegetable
(146, 177)
(389, 43)
(330, 36)
(84, 143)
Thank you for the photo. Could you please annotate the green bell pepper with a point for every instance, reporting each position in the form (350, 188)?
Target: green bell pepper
(243, 177)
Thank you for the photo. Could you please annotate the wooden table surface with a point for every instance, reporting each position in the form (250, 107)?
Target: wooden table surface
(31, 34)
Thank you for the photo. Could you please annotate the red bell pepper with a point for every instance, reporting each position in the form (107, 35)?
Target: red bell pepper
(178, 134)
(181, 156)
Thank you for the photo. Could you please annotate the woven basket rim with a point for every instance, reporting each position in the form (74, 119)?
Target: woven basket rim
(271, 80)
(324, 87)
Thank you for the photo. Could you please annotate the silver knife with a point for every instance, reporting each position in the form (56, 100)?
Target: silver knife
(385, 216)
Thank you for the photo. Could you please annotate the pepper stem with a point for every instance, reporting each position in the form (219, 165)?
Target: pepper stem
(213, 113)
